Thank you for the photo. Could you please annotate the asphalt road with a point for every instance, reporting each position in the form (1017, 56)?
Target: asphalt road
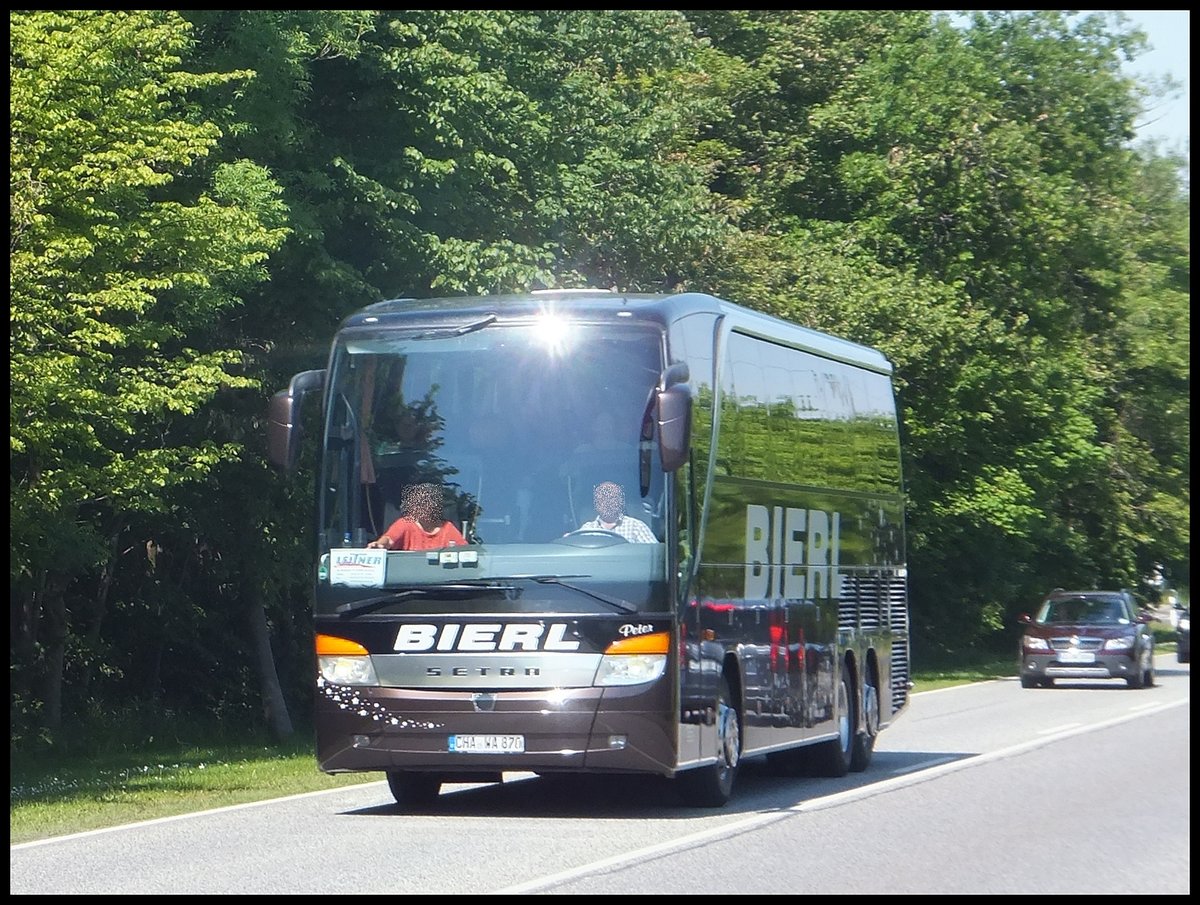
(987, 788)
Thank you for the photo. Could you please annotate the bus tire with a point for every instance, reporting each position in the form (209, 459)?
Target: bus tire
(416, 791)
(864, 740)
(710, 786)
(832, 758)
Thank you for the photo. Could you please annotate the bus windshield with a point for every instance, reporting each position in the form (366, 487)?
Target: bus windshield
(517, 426)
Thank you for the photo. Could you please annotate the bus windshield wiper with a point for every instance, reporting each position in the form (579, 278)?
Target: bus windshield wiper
(455, 329)
(378, 602)
(615, 602)
(475, 325)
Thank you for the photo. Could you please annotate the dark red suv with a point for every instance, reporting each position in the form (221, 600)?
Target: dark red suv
(1087, 635)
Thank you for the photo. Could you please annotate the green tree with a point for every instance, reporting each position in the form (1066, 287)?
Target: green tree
(1152, 344)
(1020, 191)
(126, 242)
(475, 150)
(965, 200)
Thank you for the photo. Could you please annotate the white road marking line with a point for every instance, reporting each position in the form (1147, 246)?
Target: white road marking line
(816, 804)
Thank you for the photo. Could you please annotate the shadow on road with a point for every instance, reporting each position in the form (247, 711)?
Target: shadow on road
(759, 789)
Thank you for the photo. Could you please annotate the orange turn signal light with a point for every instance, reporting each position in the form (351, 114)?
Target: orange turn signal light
(655, 643)
(332, 646)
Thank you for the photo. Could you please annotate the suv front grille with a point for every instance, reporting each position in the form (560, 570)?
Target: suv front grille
(1083, 643)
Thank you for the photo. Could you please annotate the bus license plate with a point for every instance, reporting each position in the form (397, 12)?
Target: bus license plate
(487, 744)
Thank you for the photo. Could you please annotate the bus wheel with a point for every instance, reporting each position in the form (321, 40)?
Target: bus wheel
(414, 790)
(710, 786)
(864, 742)
(832, 758)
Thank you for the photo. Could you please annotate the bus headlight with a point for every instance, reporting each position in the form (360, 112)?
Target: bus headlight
(630, 669)
(634, 660)
(344, 662)
(348, 670)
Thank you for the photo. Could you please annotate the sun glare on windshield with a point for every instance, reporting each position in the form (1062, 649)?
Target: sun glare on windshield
(555, 333)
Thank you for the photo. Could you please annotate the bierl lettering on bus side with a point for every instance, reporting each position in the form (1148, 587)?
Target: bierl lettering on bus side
(792, 553)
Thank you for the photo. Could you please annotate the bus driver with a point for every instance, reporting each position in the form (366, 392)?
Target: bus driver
(609, 500)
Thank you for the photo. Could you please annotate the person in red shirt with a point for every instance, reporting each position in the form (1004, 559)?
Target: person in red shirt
(422, 524)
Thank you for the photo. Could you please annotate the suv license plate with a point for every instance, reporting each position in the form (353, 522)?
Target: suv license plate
(487, 744)
(1076, 656)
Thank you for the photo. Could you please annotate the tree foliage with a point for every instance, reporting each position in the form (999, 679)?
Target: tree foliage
(126, 243)
(980, 229)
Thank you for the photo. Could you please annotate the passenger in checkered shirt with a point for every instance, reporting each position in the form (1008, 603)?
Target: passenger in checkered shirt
(609, 500)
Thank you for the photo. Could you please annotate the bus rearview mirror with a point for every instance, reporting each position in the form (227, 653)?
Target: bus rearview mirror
(674, 425)
(283, 418)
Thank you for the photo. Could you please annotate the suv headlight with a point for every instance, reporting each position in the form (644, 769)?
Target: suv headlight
(1032, 643)
(1118, 644)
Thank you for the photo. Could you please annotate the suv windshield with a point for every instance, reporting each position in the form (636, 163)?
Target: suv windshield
(1107, 609)
(516, 425)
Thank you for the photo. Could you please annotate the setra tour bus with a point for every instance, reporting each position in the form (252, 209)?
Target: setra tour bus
(742, 594)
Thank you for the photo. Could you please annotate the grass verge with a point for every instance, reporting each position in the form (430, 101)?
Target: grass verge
(58, 796)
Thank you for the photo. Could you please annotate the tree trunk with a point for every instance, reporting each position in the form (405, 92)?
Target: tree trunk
(274, 706)
(54, 617)
(23, 624)
(99, 608)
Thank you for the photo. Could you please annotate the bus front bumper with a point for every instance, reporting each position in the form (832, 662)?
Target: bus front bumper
(600, 730)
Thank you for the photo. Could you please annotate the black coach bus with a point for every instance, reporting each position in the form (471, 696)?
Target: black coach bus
(746, 596)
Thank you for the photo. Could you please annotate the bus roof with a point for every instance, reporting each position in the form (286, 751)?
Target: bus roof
(600, 305)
